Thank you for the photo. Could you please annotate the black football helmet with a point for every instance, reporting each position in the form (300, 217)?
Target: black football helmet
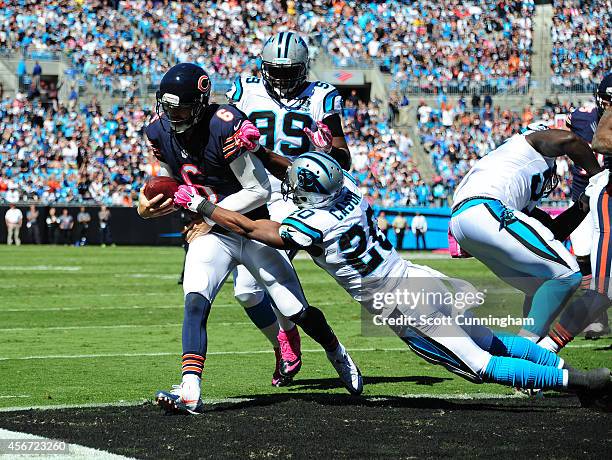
(183, 95)
(603, 94)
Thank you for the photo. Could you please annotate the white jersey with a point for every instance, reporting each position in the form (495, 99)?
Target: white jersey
(514, 173)
(281, 122)
(344, 240)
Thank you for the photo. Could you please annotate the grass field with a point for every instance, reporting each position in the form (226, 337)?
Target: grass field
(91, 333)
(103, 325)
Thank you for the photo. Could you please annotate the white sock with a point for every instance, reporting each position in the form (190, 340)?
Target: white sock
(549, 344)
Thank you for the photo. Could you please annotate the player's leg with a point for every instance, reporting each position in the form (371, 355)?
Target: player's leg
(507, 240)
(209, 260)
(280, 331)
(273, 270)
(589, 306)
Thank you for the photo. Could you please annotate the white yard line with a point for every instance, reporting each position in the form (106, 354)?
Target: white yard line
(176, 353)
(222, 353)
(74, 451)
(138, 307)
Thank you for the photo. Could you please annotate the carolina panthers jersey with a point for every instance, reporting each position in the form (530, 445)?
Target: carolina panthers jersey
(206, 158)
(582, 122)
(514, 173)
(343, 239)
(281, 123)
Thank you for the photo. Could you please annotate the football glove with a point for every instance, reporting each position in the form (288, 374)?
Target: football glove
(187, 196)
(321, 138)
(247, 136)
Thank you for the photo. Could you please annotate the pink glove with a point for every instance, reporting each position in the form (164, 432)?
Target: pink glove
(187, 196)
(247, 136)
(321, 138)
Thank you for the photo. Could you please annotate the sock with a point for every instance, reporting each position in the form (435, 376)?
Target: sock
(313, 322)
(195, 339)
(284, 323)
(263, 316)
(520, 347)
(192, 364)
(584, 263)
(524, 374)
(548, 300)
(583, 310)
(556, 339)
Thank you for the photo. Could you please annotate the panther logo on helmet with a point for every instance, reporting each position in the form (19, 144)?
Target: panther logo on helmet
(309, 182)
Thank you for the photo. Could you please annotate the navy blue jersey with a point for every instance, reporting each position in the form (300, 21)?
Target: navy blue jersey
(203, 158)
(583, 123)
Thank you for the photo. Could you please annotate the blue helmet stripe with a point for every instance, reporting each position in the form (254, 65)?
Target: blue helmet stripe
(280, 42)
(287, 41)
(317, 161)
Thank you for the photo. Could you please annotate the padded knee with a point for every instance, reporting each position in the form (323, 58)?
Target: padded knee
(249, 299)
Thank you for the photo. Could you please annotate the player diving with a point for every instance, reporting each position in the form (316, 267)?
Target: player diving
(334, 224)
(206, 146)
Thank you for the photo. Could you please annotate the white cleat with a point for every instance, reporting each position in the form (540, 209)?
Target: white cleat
(347, 370)
(182, 399)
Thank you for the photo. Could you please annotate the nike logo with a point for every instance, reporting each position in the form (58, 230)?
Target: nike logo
(237, 126)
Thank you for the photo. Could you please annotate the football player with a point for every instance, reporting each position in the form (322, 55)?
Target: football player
(293, 115)
(205, 145)
(334, 224)
(495, 218)
(583, 121)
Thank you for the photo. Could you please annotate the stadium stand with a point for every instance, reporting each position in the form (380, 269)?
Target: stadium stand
(74, 151)
(461, 46)
(581, 36)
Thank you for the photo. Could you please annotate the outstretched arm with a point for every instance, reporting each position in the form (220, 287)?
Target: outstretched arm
(263, 230)
(602, 141)
(276, 164)
(559, 142)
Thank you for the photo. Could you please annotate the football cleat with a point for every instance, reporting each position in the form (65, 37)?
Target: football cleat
(277, 378)
(174, 401)
(349, 373)
(290, 350)
(598, 394)
(598, 329)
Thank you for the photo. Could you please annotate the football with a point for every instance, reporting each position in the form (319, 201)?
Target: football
(167, 186)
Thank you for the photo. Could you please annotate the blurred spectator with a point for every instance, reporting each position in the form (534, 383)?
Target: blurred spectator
(399, 226)
(383, 223)
(104, 217)
(36, 73)
(32, 225)
(66, 224)
(52, 222)
(13, 218)
(83, 221)
(419, 229)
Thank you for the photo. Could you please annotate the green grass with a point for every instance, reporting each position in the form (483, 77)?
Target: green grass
(124, 302)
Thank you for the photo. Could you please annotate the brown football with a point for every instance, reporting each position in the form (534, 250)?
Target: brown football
(161, 184)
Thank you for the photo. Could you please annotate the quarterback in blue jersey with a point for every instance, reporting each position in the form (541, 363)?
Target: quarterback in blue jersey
(206, 147)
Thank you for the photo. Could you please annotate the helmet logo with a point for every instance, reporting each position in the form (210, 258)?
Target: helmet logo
(309, 182)
(203, 83)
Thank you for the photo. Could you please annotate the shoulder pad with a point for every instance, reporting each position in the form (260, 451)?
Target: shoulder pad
(294, 237)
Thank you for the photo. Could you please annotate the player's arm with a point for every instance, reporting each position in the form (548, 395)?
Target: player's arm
(558, 142)
(602, 140)
(565, 223)
(255, 192)
(339, 149)
(263, 230)
(276, 164)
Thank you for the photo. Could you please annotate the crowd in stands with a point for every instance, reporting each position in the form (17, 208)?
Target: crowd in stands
(581, 37)
(458, 46)
(56, 153)
(456, 136)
